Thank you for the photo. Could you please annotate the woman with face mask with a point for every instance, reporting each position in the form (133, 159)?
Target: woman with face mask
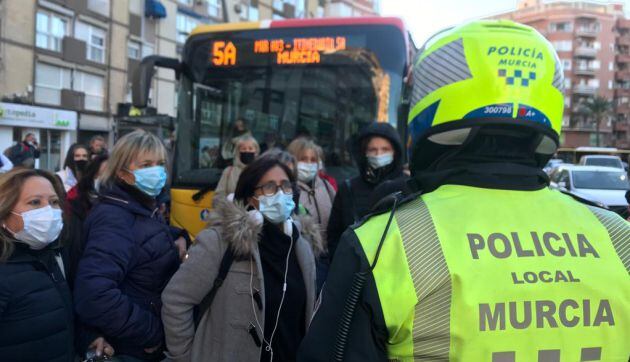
(246, 151)
(74, 166)
(262, 309)
(378, 152)
(130, 252)
(36, 318)
(316, 194)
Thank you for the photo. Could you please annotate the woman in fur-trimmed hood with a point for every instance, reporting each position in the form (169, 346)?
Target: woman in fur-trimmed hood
(264, 306)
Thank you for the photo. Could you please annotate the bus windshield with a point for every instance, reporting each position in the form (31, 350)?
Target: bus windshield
(277, 84)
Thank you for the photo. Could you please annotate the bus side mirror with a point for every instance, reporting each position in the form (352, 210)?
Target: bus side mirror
(143, 77)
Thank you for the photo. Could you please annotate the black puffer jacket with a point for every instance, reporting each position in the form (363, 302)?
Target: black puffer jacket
(353, 198)
(35, 308)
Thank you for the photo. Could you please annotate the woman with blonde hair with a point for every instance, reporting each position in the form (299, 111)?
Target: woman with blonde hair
(316, 194)
(130, 252)
(36, 317)
(246, 150)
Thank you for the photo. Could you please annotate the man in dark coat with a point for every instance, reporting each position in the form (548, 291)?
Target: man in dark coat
(353, 199)
(24, 153)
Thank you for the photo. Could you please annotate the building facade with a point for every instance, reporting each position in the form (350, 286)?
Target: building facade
(66, 66)
(589, 41)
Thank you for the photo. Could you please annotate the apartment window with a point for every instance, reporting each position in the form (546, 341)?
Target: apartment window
(561, 27)
(252, 11)
(567, 83)
(136, 7)
(596, 64)
(133, 49)
(563, 46)
(597, 45)
(95, 40)
(51, 28)
(299, 6)
(344, 10)
(94, 88)
(99, 6)
(566, 64)
(611, 66)
(185, 24)
(567, 102)
(49, 81)
(214, 8)
(594, 83)
(147, 49)
(610, 84)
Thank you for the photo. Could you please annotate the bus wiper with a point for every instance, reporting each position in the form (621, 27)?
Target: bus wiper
(201, 193)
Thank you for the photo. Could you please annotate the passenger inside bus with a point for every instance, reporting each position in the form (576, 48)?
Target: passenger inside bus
(239, 128)
(246, 151)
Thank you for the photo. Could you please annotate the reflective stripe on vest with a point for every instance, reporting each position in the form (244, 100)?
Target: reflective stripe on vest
(471, 274)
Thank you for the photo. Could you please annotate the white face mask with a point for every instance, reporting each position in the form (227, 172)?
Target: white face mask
(41, 227)
(307, 171)
(381, 160)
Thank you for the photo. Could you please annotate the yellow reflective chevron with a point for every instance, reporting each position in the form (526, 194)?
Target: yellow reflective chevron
(471, 274)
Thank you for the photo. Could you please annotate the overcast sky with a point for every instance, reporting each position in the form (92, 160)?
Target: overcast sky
(425, 17)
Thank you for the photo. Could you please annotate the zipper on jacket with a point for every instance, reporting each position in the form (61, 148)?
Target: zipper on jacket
(252, 332)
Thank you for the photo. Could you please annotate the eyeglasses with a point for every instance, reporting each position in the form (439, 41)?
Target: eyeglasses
(271, 188)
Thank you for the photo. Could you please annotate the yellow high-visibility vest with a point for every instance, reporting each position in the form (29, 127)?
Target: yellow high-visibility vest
(473, 274)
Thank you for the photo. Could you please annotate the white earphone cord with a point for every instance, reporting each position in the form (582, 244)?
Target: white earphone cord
(268, 348)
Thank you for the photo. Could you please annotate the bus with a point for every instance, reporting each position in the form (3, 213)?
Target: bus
(574, 155)
(320, 78)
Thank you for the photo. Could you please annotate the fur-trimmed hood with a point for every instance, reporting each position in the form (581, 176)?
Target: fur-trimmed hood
(241, 230)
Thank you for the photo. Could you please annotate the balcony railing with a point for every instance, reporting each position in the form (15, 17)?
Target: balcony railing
(623, 58)
(584, 71)
(623, 23)
(624, 40)
(621, 126)
(622, 92)
(584, 89)
(586, 32)
(585, 51)
(623, 75)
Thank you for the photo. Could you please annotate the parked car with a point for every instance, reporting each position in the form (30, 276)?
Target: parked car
(602, 160)
(604, 185)
(552, 164)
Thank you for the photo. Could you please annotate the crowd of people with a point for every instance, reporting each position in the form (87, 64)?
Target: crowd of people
(96, 228)
(286, 268)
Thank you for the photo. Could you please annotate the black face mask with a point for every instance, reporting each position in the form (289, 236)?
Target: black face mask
(80, 165)
(247, 157)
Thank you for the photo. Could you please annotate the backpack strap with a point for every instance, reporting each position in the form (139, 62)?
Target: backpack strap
(206, 302)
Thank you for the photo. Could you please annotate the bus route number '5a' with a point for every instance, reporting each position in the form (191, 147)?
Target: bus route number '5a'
(223, 53)
(550, 355)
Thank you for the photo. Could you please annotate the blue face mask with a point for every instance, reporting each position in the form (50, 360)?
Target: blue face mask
(150, 180)
(276, 208)
(381, 160)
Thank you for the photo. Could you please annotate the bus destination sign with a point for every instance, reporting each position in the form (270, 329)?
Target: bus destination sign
(285, 52)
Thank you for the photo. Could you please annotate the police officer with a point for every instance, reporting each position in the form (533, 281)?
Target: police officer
(488, 263)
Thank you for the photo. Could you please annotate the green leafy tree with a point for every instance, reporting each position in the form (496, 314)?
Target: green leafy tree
(597, 109)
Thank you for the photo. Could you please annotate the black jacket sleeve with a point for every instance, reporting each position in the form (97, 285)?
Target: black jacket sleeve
(367, 336)
(336, 221)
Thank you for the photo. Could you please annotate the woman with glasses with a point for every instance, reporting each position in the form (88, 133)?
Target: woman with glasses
(130, 252)
(263, 307)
